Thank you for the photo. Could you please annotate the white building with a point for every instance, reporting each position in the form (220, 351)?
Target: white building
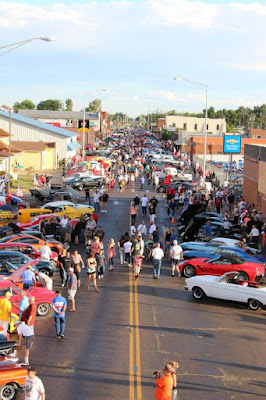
(196, 125)
(26, 129)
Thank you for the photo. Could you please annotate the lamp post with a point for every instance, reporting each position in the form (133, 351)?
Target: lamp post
(9, 109)
(84, 106)
(14, 46)
(205, 87)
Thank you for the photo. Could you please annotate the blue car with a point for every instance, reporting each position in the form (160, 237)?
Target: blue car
(211, 245)
(247, 254)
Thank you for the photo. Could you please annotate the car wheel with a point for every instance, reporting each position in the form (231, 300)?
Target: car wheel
(8, 392)
(198, 293)
(161, 190)
(243, 276)
(67, 245)
(189, 271)
(43, 309)
(45, 271)
(254, 304)
(80, 187)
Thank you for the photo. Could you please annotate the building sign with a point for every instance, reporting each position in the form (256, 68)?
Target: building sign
(232, 144)
(87, 123)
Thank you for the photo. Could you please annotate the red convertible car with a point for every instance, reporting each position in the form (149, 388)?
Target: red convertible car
(249, 271)
(36, 220)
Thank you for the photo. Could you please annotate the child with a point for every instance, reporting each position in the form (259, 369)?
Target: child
(101, 263)
(174, 366)
(137, 264)
(111, 253)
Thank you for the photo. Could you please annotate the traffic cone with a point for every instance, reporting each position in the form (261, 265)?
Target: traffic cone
(173, 220)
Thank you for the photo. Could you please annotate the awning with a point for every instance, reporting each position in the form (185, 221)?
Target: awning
(73, 146)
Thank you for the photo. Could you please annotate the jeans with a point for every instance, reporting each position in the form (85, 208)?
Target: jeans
(172, 212)
(59, 324)
(97, 206)
(122, 257)
(63, 275)
(144, 210)
(157, 267)
(87, 198)
(127, 258)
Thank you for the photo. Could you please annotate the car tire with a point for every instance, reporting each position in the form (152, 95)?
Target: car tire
(197, 293)
(80, 187)
(8, 391)
(43, 309)
(243, 276)
(188, 271)
(45, 271)
(254, 304)
(161, 190)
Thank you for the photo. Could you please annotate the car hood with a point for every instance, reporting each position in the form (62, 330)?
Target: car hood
(203, 278)
(40, 291)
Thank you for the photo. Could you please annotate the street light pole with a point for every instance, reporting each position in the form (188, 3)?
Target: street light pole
(9, 109)
(14, 46)
(205, 87)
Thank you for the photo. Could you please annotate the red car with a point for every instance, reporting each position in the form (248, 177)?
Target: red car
(220, 265)
(36, 220)
(43, 296)
(29, 250)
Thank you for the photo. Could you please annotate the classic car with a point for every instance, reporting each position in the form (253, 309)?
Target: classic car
(72, 210)
(17, 259)
(210, 245)
(85, 182)
(12, 377)
(36, 220)
(29, 250)
(229, 286)
(220, 265)
(35, 241)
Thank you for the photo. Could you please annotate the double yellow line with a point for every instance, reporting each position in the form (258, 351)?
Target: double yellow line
(134, 342)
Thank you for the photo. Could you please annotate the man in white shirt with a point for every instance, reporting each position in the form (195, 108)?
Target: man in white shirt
(34, 389)
(63, 223)
(46, 253)
(254, 236)
(142, 229)
(176, 254)
(96, 200)
(157, 255)
(133, 230)
(127, 251)
(144, 204)
(152, 227)
(26, 331)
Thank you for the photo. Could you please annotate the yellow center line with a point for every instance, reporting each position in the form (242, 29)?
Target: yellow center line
(131, 340)
(138, 363)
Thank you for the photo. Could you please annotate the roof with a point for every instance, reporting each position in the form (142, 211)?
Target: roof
(73, 146)
(50, 114)
(30, 146)
(3, 133)
(37, 124)
(5, 148)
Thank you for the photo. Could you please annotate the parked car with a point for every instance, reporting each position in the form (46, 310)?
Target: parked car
(211, 245)
(229, 286)
(29, 250)
(73, 210)
(12, 378)
(35, 241)
(85, 182)
(16, 258)
(36, 220)
(220, 265)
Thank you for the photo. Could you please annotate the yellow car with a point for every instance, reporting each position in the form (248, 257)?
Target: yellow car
(72, 210)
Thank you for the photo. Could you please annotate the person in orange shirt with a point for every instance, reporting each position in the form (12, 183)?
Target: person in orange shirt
(164, 385)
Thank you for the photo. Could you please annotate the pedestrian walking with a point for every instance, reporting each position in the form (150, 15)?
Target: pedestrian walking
(96, 245)
(127, 252)
(144, 204)
(59, 306)
(72, 288)
(152, 212)
(34, 389)
(174, 366)
(80, 229)
(78, 263)
(87, 196)
(141, 181)
(105, 199)
(120, 245)
(137, 264)
(101, 263)
(91, 270)
(164, 385)
(133, 212)
(142, 229)
(96, 200)
(133, 230)
(68, 230)
(111, 253)
(176, 255)
(157, 255)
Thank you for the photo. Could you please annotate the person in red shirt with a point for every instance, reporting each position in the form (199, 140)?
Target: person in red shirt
(29, 315)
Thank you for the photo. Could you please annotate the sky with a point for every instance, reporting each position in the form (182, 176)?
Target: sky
(134, 49)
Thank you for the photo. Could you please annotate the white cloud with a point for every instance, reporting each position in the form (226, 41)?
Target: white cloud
(168, 95)
(135, 98)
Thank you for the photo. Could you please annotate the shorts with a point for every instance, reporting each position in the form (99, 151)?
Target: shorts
(68, 237)
(91, 272)
(29, 341)
(175, 262)
(71, 294)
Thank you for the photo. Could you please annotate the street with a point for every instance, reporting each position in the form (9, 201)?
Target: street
(117, 338)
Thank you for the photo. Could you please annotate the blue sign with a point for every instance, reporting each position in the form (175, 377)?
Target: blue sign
(232, 144)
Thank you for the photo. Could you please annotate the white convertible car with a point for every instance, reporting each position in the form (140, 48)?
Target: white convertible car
(228, 287)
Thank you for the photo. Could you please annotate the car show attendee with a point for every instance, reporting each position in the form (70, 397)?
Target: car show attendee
(28, 316)
(144, 204)
(44, 279)
(254, 236)
(72, 288)
(24, 302)
(157, 256)
(5, 311)
(46, 252)
(101, 263)
(63, 223)
(165, 384)
(90, 228)
(111, 253)
(78, 263)
(176, 255)
(152, 228)
(91, 270)
(28, 278)
(68, 230)
(59, 306)
(104, 199)
(142, 229)
(25, 331)
(34, 389)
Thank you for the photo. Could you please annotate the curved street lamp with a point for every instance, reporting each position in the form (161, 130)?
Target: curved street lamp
(14, 46)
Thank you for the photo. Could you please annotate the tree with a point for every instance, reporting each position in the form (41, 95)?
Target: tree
(50, 104)
(95, 105)
(69, 104)
(25, 105)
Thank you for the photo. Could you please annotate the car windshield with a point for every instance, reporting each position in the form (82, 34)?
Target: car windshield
(214, 243)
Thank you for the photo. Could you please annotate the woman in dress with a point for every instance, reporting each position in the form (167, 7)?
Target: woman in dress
(78, 262)
(91, 271)
(111, 253)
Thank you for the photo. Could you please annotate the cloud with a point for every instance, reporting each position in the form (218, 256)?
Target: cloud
(168, 95)
(135, 98)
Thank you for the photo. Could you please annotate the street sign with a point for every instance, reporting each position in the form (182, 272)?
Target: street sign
(232, 144)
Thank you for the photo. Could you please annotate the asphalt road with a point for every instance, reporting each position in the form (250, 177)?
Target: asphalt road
(118, 337)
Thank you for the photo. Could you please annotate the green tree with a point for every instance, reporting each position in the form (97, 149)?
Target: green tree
(25, 105)
(69, 104)
(95, 105)
(50, 104)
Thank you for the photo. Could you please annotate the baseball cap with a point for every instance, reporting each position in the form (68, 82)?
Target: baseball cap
(71, 269)
(16, 322)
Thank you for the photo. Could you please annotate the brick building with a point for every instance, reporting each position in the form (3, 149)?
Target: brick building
(254, 183)
(257, 133)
